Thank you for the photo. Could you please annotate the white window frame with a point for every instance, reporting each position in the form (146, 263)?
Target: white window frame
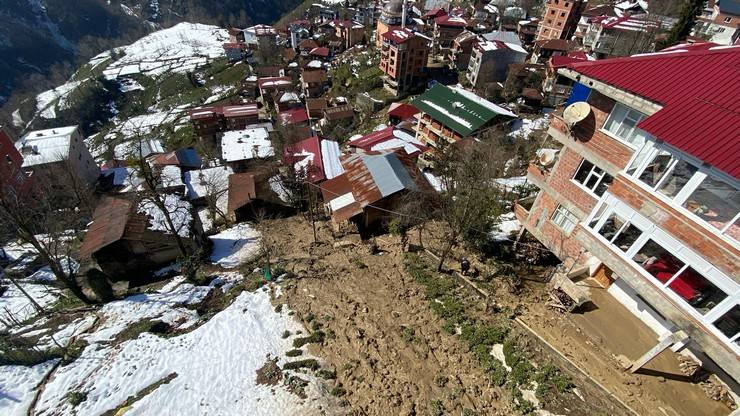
(592, 173)
(625, 140)
(562, 218)
(686, 255)
(691, 185)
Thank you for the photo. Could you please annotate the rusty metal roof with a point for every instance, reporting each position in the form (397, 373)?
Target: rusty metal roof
(108, 226)
(241, 190)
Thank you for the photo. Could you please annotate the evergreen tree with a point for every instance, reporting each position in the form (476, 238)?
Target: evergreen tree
(686, 22)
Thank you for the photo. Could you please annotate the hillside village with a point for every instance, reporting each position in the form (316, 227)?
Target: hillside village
(383, 207)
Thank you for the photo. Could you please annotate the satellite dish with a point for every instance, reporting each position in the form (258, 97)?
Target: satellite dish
(576, 112)
(546, 157)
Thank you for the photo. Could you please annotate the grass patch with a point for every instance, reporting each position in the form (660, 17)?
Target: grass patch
(76, 398)
(285, 334)
(294, 353)
(338, 391)
(327, 374)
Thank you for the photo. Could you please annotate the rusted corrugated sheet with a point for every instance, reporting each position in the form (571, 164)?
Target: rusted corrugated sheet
(241, 190)
(698, 90)
(108, 226)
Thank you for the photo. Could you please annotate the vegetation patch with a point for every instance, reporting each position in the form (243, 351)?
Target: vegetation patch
(75, 398)
(294, 353)
(269, 374)
(315, 338)
(309, 363)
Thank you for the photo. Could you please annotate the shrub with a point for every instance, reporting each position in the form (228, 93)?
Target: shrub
(441, 380)
(327, 374)
(294, 353)
(309, 363)
(286, 334)
(407, 334)
(315, 338)
(76, 397)
(338, 391)
(437, 408)
(550, 377)
(279, 308)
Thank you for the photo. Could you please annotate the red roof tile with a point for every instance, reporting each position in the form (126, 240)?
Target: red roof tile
(701, 109)
(402, 110)
(307, 148)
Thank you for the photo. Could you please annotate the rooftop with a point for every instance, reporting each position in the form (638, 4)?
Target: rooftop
(700, 112)
(458, 109)
(45, 146)
(246, 144)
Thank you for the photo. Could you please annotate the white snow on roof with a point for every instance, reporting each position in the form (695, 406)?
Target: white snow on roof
(171, 176)
(137, 149)
(246, 144)
(46, 146)
(178, 210)
(210, 181)
(288, 97)
(315, 64)
(330, 159)
(510, 184)
(515, 47)
(181, 48)
(457, 119)
(485, 103)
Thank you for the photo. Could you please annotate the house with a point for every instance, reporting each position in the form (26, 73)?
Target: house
(287, 100)
(260, 36)
(398, 112)
(720, 23)
(293, 117)
(351, 33)
(338, 114)
(545, 49)
(255, 194)
(307, 45)
(644, 194)
(316, 159)
(185, 159)
(372, 184)
(127, 239)
(239, 148)
(389, 138)
(503, 36)
(314, 83)
(482, 17)
(315, 107)
(556, 87)
(264, 71)
(236, 35)
(13, 178)
(621, 36)
(250, 90)
(208, 121)
(271, 86)
(490, 61)
(430, 15)
(446, 29)
(527, 30)
(234, 51)
(320, 53)
(560, 19)
(462, 47)
(589, 13)
(448, 115)
(403, 59)
(58, 157)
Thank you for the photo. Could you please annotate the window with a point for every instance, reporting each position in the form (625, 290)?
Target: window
(728, 19)
(562, 14)
(655, 170)
(552, 11)
(717, 203)
(619, 232)
(592, 178)
(677, 178)
(729, 323)
(564, 219)
(622, 122)
(679, 278)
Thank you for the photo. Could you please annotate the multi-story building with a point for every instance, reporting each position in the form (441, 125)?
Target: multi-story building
(392, 15)
(452, 114)
(490, 60)
(12, 176)
(720, 22)
(621, 36)
(446, 29)
(462, 47)
(350, 32)
(403, 58)
(560, 20)
(59, 158)
(645, 193)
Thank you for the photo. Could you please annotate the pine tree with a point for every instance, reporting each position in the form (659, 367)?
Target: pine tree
(686, 22)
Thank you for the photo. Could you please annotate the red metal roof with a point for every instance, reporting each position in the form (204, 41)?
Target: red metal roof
(402, 111)
(448, 20)
(398, 35)
(294, 116)
(108, 225)
(698, 90)
(322, 51)
(370, 140)
(307, 148)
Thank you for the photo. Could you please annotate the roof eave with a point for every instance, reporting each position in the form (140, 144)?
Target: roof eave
(625, 97)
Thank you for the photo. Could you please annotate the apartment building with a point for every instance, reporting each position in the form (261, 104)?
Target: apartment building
(645, 193)
(560, 19)
(490, 61)
(403, 59)
(720, 22)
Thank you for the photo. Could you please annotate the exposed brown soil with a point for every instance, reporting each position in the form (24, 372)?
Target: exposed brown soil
(269, 374)
(383, 339)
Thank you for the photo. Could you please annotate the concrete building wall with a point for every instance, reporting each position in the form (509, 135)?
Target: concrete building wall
(559, 20)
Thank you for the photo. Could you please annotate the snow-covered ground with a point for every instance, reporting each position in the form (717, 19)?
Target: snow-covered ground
(210, 370)
(236, 245)
(14, 305)
(48, 102)
(510, 184)
(507, 225)
(523, 127)
(181, 48)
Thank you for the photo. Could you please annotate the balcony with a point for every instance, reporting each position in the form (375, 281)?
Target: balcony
(537, 175)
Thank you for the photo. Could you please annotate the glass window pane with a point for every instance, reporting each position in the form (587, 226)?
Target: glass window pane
(626, 237)
(734, 230)
(598, 215)
(615, 118)
(729, 323)
(715, 202)
(604, 184)
(657, 261)
(611, 226)
(583, 171)
(681, 174)
(655, 170)
(641, 155)
(695, 289)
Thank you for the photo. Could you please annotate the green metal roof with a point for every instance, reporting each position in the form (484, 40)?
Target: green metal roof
(460, 110)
